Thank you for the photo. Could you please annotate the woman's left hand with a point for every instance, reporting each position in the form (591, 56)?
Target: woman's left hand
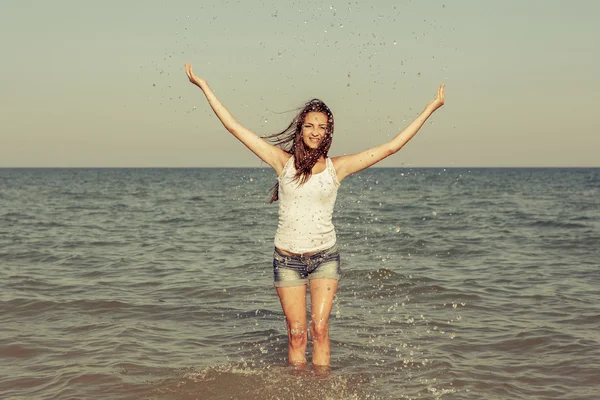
(438, 101)
(192, 77)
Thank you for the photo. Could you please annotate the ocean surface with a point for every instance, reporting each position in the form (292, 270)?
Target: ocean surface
(157, 284)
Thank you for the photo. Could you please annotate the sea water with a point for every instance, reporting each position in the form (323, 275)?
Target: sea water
(157, 284)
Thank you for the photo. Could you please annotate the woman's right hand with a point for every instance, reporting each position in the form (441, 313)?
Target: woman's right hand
(192, 77)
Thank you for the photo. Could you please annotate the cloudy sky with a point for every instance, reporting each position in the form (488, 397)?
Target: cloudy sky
(102, 84)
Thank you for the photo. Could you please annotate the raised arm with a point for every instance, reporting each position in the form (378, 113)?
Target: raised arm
(272, 155)
(350, 164)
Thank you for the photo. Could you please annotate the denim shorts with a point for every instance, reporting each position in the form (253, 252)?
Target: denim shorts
(296, 270)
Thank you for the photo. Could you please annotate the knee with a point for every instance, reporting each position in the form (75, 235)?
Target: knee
(297, 335)
(319, 330)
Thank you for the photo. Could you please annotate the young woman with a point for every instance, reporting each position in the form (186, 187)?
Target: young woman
(305, 243)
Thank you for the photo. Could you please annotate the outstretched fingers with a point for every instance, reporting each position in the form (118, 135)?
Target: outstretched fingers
(191, 76)
(439, 100)
(188, 71)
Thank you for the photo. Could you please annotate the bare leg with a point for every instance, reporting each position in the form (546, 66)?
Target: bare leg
(322, 292)
(293, 302)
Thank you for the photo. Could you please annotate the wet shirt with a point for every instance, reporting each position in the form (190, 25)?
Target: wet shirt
(305, 210)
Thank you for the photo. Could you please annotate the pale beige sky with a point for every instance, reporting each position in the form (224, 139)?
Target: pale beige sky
(103, 85)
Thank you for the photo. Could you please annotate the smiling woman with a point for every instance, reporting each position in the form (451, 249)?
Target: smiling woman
(308, 138)
(306, 250)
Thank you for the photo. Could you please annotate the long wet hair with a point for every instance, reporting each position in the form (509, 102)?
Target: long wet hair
(290, 140)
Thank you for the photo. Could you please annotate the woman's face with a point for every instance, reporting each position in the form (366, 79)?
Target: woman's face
(314, 129)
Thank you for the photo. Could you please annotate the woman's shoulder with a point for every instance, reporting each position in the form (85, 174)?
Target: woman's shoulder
(336, 161)
(286, 165)
(288, 158)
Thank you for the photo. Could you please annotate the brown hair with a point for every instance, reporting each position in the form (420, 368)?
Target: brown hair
(290, 140)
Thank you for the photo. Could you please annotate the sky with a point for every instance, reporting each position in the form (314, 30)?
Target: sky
(102, 84)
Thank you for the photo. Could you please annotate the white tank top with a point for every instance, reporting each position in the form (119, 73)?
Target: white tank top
(305, 210)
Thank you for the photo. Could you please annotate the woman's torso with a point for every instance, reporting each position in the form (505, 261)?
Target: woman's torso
(305, 210)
